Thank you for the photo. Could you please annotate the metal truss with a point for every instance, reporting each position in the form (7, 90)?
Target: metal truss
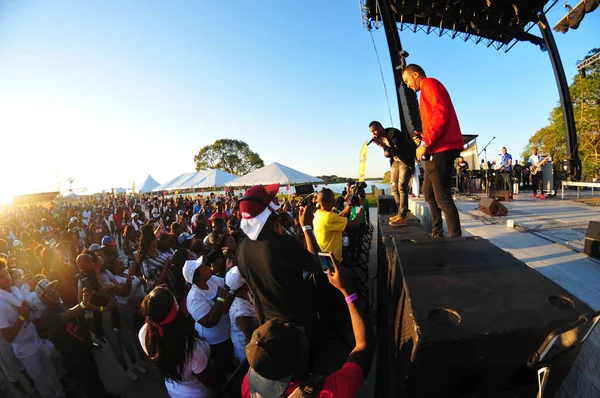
(588, 63)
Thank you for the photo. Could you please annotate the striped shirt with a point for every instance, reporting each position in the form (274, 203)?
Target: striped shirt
(152, 267)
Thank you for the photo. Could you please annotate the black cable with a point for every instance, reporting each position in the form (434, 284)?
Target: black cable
(382, 79)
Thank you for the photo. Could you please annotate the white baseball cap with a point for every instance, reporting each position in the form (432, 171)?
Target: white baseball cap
(234, 279)
(189, 268)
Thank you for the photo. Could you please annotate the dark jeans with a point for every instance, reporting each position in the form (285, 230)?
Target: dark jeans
(462, 182)
(537, 182)
(400, 175)
(507, 178)
(437, 191)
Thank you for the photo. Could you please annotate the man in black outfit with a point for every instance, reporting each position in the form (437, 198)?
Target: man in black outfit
(72, 338)
(400, 149)
(273, 264)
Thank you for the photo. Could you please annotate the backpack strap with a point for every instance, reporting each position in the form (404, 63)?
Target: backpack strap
(310, 388)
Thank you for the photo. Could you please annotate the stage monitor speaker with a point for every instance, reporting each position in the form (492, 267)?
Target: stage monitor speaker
(501, 195)
(386, 204)
(468, 319)
(492, 207)
(306, 189)
(592, 239)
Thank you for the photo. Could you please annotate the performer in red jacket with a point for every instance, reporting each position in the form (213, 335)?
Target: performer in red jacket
(439, 144)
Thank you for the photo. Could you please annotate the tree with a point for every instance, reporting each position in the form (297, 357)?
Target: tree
(585, 95)
(231, 156)
(386, 177)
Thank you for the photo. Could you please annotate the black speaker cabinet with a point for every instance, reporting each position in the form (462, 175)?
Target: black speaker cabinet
(468, 318)
(501, 195)
(386, 204)
(492, 207)
(592, 239)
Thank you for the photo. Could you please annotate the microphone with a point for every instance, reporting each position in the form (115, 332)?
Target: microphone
(370, 142)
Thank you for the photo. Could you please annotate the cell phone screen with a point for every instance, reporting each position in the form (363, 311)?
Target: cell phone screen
(326, 262)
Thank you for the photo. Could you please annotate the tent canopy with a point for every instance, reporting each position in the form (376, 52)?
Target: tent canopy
(274, 173)
(212, 178)
(174, 183)
(148, 185)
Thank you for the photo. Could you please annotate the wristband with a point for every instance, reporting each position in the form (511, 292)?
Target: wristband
(351, 298)
(83, 306)
(307, 227)
(21, 318)
(221, 299)
(101, 308)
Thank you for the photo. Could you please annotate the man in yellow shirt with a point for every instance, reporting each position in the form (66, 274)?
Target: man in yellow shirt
(329, 226)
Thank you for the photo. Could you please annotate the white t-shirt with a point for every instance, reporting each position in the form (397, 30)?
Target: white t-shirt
(191, 387)
(27, 341)
(240, 308)
(199, 304)
(136, 285)
(533, 159)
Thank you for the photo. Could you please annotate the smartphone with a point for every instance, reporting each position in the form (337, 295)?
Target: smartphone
(326, 262)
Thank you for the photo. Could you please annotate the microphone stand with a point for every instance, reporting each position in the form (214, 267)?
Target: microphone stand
(484, 150)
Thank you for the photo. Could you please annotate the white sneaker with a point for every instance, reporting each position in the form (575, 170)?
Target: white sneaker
(131, 374)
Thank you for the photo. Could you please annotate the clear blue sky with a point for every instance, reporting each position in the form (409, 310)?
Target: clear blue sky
(107, 92)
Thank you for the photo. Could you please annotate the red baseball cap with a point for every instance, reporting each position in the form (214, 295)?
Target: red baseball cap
(256, 200)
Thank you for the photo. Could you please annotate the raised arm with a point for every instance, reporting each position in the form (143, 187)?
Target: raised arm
(364, 336)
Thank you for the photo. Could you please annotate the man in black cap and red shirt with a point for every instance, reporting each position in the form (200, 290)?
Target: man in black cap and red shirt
(273, 264)
(279, 360)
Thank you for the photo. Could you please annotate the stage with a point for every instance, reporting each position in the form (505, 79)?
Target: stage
(548, 236)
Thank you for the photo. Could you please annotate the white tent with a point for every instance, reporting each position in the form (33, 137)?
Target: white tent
(148, 185)
(174, 183)
(213, 178)
(274, 173)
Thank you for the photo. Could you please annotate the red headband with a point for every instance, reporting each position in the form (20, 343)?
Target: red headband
(168, 319)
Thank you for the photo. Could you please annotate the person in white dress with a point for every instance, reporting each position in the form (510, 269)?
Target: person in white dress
(241, 313)
(171, 342)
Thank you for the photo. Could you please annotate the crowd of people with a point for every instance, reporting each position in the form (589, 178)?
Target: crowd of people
(201, 288)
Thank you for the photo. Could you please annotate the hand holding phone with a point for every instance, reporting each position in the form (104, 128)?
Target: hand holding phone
(326, 262)
(339, 277)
